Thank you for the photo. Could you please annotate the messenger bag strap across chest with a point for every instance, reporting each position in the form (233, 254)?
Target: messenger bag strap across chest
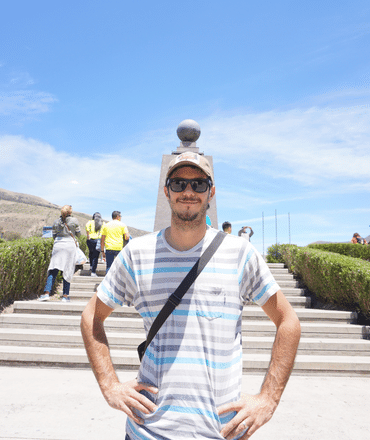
(175, 299)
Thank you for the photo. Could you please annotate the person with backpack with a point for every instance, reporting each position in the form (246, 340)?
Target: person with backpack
(93, 231)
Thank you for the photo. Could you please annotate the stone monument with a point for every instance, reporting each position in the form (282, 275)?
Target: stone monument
(188, 132)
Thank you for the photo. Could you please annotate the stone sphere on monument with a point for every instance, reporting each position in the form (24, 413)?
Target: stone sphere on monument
(188, 131)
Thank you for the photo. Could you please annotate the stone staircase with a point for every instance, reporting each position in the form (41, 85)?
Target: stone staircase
(48, 333)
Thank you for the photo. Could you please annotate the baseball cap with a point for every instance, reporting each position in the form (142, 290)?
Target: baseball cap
(192, 159)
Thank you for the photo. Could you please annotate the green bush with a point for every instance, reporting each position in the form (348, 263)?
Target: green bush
(23, 268)
(334, 278)
(82, 241)
(348, 249)
(274, 254)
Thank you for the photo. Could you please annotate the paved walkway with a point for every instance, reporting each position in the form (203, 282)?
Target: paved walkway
(57, 404)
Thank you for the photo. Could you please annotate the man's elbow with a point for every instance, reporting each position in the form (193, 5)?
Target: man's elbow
(87, 318)
(293, 326)
(85, 322)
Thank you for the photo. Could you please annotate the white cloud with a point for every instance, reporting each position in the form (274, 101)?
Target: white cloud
(310, 146)
(287, 159)
(24, 102)
(36, 168)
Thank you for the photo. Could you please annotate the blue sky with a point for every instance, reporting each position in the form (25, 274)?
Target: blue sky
(91, 95)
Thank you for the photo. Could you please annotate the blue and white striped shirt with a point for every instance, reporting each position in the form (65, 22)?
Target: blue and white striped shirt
(195, 359)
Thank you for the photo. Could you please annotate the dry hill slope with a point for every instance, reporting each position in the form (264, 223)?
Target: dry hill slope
(25, 215)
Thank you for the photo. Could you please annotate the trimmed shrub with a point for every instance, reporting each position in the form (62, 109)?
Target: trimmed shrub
(274, 254)
(348, 249)
(82, 241)
(334, 278)
(23, 268)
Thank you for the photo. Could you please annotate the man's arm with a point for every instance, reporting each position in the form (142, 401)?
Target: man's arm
(126, 235)
(257, 410)
(123, 396)
(102, 243)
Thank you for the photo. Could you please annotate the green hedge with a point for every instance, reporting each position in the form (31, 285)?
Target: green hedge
(23, 267)
(274, 254)
(334, 278)
(348, 249)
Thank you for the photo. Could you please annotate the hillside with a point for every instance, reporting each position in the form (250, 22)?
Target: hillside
(24, 215)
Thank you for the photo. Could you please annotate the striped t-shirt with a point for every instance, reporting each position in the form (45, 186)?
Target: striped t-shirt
(195, 359)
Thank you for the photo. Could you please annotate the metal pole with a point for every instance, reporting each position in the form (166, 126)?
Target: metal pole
(276, 225)
(289, 225)
(263, 235)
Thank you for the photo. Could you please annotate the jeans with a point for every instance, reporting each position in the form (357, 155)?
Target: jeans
(52, 274)
(93, 254)
(110, 255)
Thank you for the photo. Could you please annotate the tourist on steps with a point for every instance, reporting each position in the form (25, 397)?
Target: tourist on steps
(63, 257)
(114, 236)
(93, 232)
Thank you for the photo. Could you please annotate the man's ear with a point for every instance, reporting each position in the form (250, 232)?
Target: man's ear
(165, 189)
(211, 193)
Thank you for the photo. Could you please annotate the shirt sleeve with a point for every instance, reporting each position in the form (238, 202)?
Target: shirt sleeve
(257, 283)
(119, 285)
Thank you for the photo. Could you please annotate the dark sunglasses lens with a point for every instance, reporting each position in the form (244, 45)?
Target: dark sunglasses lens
(178, 185)
(198, 186)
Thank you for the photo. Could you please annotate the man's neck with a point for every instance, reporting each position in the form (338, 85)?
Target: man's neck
(183, 239)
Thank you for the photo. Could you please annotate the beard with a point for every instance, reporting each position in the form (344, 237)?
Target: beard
(188, 218)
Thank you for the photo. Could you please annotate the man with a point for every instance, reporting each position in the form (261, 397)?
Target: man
(244, 234)
(226, 227)
(188, 384)
(114, 235)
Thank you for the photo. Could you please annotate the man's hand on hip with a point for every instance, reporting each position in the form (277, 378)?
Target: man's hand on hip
(252, 413)
(126, 397)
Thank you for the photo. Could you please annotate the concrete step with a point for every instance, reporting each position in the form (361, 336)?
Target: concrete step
(48, 333)
(126, 340)
(84, 292)
(90, 287)
(276, 270)
(249, 312)
(122, 323)
(128, 359)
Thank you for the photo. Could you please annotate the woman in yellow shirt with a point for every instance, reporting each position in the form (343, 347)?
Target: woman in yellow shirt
(93, 230)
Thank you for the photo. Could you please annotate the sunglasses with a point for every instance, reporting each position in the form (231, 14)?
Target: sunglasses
(197, 185)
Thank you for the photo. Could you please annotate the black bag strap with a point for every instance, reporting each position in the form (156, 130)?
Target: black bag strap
(175, 299)
(65, 224)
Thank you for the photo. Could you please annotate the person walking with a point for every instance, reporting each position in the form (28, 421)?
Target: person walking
(189, 380)
(114, 236)
(93, 231)
(63, 257)
(226, 227)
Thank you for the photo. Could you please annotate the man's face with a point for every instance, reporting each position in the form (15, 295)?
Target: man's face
(189, 206)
